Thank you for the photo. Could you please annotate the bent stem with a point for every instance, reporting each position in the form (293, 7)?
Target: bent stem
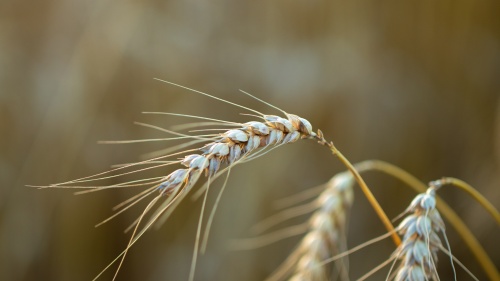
(472, 192)
(368, 194)
(469, 239)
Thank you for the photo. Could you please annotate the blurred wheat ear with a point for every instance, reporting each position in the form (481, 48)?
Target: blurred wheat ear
(325, 236)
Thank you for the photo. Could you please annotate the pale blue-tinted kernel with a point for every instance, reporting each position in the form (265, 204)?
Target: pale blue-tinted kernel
(256, 142)
(236, 136)
(271, 139)
(219, 149)
(307, 125)
(214, 166)
(423, 226)
(249, 145)
(279, 136)
(174, 179)
(407, 222)
(415, 273)
(279, 123)
(200, 163)
(291, 137)
(258, 127)
(188, 158)
(234, 153)
(428, 202)
(415, 203)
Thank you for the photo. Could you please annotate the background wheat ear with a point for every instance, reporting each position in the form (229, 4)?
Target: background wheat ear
(325, 235)
(418, 250)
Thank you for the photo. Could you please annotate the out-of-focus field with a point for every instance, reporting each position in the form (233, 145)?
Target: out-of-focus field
(414, 83)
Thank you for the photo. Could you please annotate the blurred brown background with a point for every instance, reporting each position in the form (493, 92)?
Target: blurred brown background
(415, 83)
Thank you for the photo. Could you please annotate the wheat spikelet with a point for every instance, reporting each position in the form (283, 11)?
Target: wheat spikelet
(325, 234)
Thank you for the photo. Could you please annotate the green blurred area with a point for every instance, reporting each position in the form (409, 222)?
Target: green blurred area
(414, 83)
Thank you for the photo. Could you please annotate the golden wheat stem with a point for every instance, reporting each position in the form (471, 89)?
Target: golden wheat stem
(368, 194)
(454, 220)
(472, 192)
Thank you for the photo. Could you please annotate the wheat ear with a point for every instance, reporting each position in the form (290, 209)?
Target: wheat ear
(445, 210)
(245, 142)
(420, 244)
(325, 234)
(234, 146)
(417, 253)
